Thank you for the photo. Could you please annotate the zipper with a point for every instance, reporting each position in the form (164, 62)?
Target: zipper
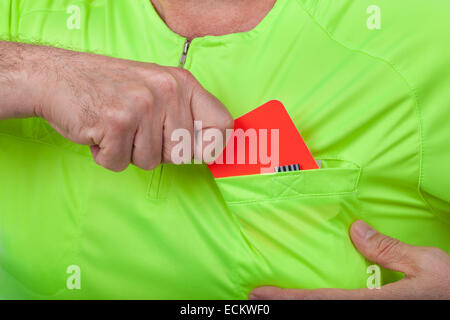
(183, 58)
(160, 177)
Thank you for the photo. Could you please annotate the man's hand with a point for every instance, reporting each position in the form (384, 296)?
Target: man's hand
(125, 110)
(426, 269)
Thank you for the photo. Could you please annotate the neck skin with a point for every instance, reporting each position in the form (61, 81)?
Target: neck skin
(198, 18)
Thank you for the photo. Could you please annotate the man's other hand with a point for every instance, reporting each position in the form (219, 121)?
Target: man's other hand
(426, 269)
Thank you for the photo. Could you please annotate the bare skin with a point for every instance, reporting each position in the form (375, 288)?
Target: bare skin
(197, 18)
(426, 269)
(126, 111)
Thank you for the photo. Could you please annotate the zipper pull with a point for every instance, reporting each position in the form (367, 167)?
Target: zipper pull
(185, 53)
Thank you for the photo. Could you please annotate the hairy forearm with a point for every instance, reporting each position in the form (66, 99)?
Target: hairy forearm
(20, 65)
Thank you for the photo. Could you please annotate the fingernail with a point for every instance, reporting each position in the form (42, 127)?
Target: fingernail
(363, 230)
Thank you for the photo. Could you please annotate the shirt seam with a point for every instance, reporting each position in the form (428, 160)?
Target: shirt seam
(411, 88)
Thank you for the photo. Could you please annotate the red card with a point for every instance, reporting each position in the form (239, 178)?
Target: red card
(262, 140)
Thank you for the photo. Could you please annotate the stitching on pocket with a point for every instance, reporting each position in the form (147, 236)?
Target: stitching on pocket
(286, 186)
(297, 177)
(309, 195)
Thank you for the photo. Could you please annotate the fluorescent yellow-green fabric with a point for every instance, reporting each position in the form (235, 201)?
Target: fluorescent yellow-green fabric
(373, 104)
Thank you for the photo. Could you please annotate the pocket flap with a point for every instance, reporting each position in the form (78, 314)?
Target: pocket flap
(335, 177)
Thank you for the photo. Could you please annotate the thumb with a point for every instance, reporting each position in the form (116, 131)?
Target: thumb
(383, 250)
(214, 119)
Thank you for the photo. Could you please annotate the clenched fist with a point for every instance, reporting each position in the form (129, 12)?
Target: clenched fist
(125, 110)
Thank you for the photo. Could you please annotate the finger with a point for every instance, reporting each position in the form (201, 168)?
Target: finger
(209, 109)
(214, 117)
(209, 144)
(178, 117)
(114, 151)
(147, 145)
(383, 250)
(397, 290)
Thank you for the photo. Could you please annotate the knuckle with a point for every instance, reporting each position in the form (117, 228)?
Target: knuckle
(222, 119)
(143, 166)
(110, 165)
(148, 164)
(168, 83)
(142, 99)
(155, 161)
(117, 168)
(120, 120)
(151, 165)
(386, 247)
(184, 74)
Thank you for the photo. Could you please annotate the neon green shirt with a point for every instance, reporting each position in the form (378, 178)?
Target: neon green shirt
(372, 103)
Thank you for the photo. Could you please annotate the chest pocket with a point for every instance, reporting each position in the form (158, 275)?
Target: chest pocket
(297, 225)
